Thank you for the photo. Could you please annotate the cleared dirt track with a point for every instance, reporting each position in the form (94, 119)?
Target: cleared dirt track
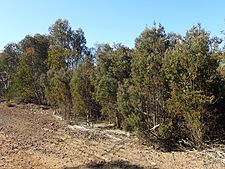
(31, 137)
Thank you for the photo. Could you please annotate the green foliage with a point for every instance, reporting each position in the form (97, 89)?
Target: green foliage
(148, 90)
(113, 66)
(72, 41)
(166, 131)
(124, 103)
(191, 71)
(57, 90)
(82, 90)
(31, 65)
(24, 80)
(9, 59)
(171, 81)
(56, 58)
(67, 51)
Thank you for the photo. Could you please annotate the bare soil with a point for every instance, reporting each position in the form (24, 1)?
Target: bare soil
(32, 137)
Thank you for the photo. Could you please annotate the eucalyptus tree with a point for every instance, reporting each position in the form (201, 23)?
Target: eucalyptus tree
(9, 61)
(31, 66)
(66, 52)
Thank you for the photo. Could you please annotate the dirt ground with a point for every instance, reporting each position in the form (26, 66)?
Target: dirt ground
(33, 138)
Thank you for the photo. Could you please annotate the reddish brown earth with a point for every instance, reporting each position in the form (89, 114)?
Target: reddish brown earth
(31, 137)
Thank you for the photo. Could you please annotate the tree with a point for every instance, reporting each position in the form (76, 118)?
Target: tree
(31, 66)
(57, 91)
(63, 36)
(56, 82)
(113, 66)
(191, 71)
(148, 95)
(67, 51)
(9, 61)
(125, 105)
(82, 90)
(170, 83)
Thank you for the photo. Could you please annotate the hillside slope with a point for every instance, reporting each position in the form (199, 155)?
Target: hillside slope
(31, 137)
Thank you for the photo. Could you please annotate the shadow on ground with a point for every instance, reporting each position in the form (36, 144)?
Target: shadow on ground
(111, 165)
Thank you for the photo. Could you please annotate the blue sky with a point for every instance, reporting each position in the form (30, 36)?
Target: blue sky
(108, 20)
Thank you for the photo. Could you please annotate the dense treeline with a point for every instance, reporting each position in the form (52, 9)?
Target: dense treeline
(168, 81)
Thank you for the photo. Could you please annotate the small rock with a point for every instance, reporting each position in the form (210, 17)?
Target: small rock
(60, 140)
